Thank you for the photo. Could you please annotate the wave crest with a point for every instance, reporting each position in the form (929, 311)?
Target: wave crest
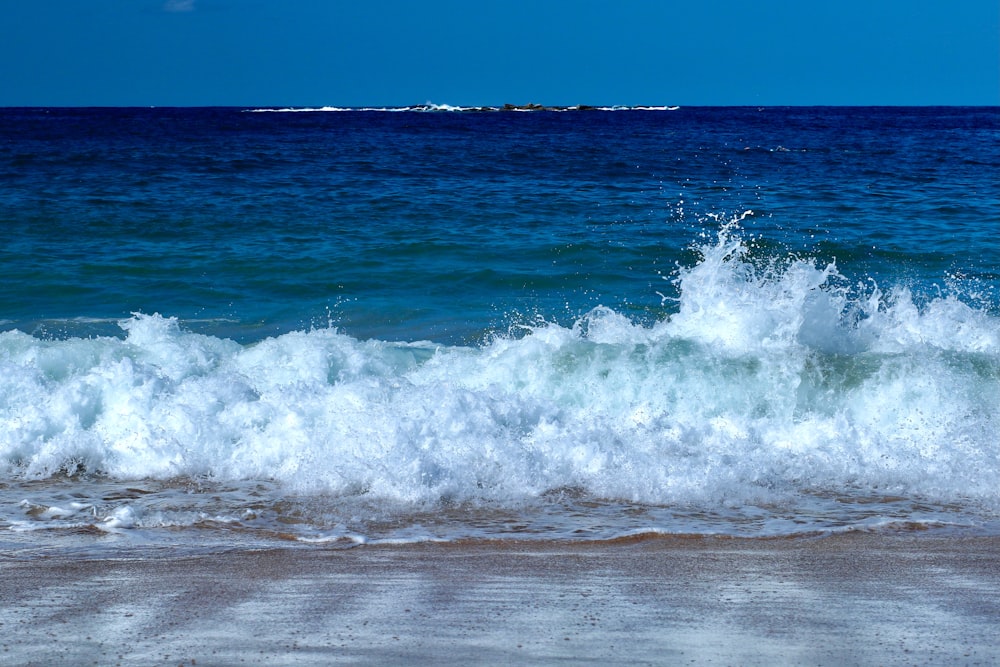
(774, 379)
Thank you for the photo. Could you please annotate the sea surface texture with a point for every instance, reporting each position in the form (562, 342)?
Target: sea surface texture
(228, 328)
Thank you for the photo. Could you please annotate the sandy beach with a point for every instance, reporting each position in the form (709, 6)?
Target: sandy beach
(852, 599)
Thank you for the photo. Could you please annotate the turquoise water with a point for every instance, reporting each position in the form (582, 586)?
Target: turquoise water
(447, 225)
(345, 326)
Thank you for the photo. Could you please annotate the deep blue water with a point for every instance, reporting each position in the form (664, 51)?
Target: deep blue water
(741, 320)
(446, 225)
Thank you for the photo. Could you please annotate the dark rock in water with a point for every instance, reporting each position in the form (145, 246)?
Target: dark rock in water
(531, 106)
(525, 107)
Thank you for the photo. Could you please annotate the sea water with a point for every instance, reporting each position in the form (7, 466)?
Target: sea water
(222, 328)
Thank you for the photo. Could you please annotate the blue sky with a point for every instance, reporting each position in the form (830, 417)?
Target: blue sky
(478, 52)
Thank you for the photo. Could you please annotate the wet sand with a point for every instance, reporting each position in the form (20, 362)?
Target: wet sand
(852, 599)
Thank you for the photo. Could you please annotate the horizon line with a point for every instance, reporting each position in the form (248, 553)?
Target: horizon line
(487, 108)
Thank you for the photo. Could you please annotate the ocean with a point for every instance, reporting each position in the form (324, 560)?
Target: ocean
(234, 328)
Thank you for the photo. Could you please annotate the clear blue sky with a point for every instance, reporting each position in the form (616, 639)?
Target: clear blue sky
(472, 52)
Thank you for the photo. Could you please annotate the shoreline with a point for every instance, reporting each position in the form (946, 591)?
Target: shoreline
(858, 598)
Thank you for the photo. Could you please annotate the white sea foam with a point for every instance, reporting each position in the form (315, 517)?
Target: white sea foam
(772, 381)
